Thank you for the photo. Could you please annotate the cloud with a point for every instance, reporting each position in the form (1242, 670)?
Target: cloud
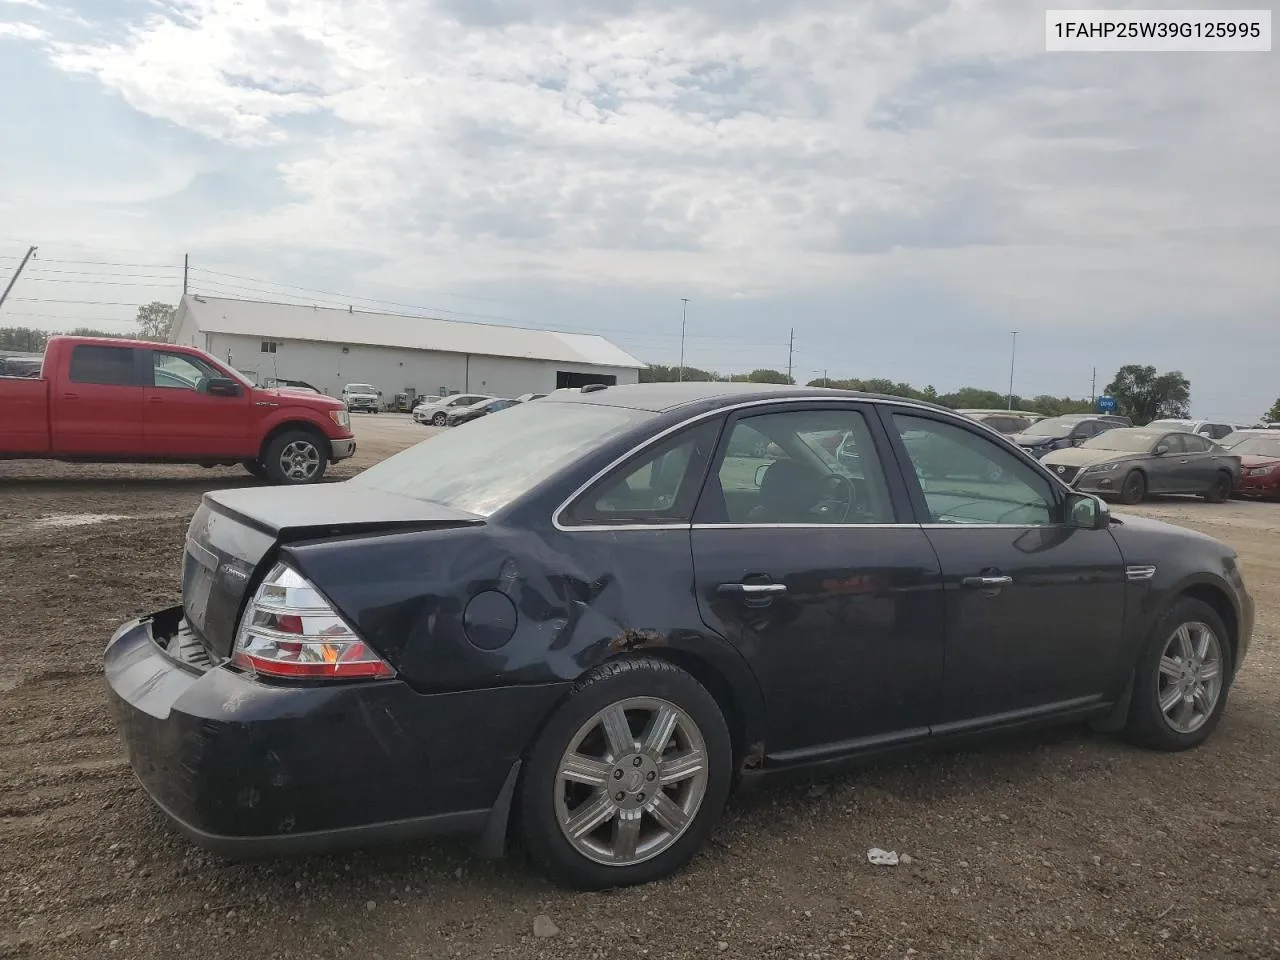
(22, 31)
(736, 148)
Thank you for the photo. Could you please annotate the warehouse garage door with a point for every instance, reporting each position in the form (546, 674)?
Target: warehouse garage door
(565, 379)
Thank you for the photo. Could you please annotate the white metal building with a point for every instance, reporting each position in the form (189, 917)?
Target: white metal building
(330, 348)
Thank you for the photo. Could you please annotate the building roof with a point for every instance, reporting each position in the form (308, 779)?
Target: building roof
(286, 321)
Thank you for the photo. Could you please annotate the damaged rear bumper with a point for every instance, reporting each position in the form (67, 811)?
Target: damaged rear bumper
(247, 768)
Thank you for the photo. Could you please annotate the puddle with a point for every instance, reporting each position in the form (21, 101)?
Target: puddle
(75, 519)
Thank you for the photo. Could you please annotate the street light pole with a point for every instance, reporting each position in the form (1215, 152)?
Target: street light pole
(684, 318)
(1012, 356)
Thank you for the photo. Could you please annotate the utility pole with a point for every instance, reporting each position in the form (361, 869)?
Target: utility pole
(791, 349)
(684, 319)
(1012, 355)
(17, 273)
(186, 265)
(1093, 389)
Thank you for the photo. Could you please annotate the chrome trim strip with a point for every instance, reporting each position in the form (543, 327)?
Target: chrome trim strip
(1139, 572)
(745, 405)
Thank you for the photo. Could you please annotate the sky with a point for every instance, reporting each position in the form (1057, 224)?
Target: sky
(864, 188)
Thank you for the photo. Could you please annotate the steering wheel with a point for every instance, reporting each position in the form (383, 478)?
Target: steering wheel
(837, 481)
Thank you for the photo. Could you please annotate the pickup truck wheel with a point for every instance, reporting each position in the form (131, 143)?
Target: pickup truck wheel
(294, 457)
(255, 468)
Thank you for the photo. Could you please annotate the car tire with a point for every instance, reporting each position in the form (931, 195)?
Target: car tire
(255, 468)
(295, 457)
(1220, 489)
(652, 835)
(438, 419)
(1162, 670)
(1134, 487)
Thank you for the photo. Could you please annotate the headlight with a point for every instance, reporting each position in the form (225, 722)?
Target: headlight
(1100, 468)
(1261, 471)
(341, 418)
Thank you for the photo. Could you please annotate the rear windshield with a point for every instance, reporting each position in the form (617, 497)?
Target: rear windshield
(488, 464)
(1053, 427)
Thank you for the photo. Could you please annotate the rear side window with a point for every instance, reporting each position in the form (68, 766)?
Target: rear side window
(659, 486)
(110, 366)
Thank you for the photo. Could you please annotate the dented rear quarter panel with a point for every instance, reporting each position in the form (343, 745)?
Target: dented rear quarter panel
(581, 598)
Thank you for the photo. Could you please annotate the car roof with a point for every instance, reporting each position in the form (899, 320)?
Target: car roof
(666, 397)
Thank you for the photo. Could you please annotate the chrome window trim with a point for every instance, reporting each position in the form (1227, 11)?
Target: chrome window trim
(772, 401)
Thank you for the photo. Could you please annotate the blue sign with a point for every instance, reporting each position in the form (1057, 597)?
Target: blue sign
(1107, 404)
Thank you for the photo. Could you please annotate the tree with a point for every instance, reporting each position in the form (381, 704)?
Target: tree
(23, 339)
(762, 376)
(1272, 415)
(155, 320)
(1144, 395)
(660, 373)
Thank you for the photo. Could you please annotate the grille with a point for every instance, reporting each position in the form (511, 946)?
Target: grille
(1065, 473)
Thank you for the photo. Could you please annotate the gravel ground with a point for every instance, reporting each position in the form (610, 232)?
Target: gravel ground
(1060, 845)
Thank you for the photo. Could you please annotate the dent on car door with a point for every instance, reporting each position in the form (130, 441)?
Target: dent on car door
(801, 561)
(1034, 607)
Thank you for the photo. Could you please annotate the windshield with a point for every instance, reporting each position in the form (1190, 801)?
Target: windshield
(1258, 446)
(1132, 441)
(1053, 427)
(360, 388)
(494, 460)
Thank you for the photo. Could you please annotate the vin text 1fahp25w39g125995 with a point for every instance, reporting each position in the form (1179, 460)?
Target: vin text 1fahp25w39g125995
(589, 618)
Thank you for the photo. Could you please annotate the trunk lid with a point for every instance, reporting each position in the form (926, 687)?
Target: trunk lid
(234, 533)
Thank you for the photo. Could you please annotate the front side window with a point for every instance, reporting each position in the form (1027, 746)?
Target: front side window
(1197, 444)
(107, 366)
(968, 478)
(660, 485)
(802, 467)
(178, 371)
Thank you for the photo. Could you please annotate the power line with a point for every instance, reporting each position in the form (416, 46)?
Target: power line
(83, 303)
(92, 273)
(109, 283)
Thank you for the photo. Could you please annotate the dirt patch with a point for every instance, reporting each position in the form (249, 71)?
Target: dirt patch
(1059, 845)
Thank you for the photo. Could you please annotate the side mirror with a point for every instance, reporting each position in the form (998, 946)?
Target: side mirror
(223, 387)
(1088, 512)
(760, 473)
(1161, 450)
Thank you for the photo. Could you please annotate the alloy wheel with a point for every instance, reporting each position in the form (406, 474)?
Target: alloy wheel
(299, 460)
(1190, 680)
(631, 781)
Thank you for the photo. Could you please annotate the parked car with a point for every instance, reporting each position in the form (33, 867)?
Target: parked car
(1007, 422)
(362, 396)
(109, 400)
(1260, 466)
(1056, 433)
(1236, 437)
(280, 384)
(1213, 429)
(1129, 463)
(461, 415)
(436, 410)
(614, 622)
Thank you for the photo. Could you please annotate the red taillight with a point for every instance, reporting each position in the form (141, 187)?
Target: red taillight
(290, 630)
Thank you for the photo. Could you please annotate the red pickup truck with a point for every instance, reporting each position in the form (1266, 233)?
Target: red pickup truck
(111, 401)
